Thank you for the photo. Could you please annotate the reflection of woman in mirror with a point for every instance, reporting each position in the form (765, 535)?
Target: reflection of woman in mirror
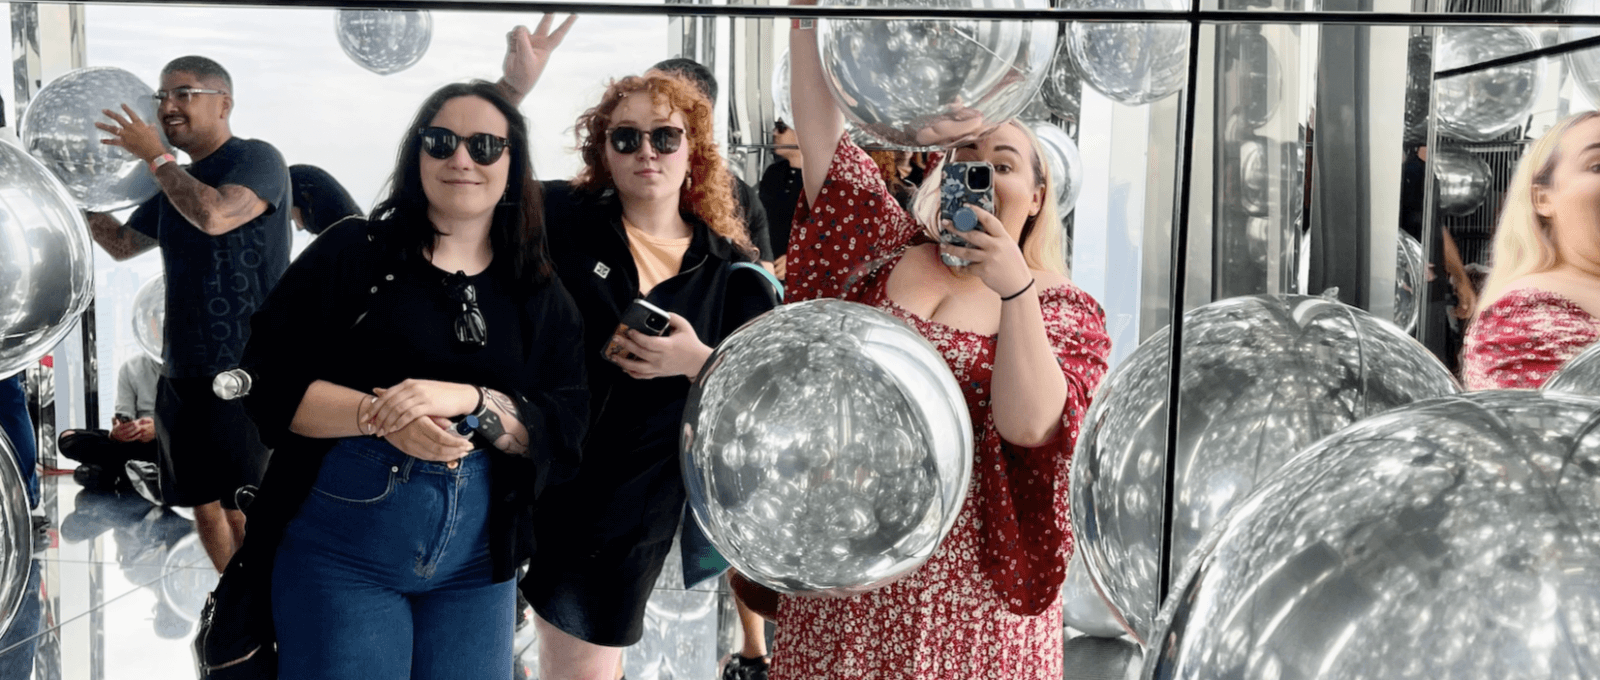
(1541, 303)
(651, 217)
(1028, 348)
(445, 389)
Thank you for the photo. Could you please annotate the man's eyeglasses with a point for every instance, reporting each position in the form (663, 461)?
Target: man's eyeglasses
(182, 94)
(472, 332)
(441, 143)
(664, 139)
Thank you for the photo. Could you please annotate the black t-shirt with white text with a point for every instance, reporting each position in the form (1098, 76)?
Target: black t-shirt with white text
(214, 283)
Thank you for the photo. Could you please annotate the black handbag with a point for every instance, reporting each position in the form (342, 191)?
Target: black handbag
(230, 644)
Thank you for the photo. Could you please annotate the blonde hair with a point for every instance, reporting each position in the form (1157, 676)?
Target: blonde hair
(1041, 239)
(1523, 242)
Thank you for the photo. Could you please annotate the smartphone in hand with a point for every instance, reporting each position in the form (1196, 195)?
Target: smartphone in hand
(640, 316)
(963, 184)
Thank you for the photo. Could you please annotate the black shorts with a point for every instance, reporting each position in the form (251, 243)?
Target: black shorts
(208, 447)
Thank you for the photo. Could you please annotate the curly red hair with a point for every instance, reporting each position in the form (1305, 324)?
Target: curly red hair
(708, 193)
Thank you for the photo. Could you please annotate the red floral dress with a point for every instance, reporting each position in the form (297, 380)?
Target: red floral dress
(987, 603)
(1523, 339)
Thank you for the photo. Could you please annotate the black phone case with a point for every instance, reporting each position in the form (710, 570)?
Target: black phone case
(636, 317)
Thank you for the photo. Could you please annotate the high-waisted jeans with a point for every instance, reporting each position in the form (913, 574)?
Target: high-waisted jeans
(385, 572)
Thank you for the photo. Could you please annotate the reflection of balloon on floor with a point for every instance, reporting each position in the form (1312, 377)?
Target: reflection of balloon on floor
(1410, 276)
(826, 448)
(934, 83)
(1461, 180)
(1456, 537)
(45, 266)
(384, 41)
(1064, 164)
(149, 313)
(58, 129)
(189, 578)
(1132, 62)
(1486, 104)
(1262, 377)
(16, 535)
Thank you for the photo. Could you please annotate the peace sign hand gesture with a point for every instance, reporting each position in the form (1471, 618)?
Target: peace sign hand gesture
(527, 53)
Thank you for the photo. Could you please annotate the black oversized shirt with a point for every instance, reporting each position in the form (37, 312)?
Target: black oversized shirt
(214, 283)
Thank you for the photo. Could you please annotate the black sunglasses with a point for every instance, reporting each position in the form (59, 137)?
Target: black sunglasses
(472, 332)
(664, 139)
(483, 147)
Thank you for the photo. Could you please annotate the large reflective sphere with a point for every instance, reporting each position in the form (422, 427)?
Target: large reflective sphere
(384, 41)
(1064, 163)
(1455, 538)
(16, 536)
(1082, 607)
(826, 448)
(1410, 276)
(1134, 63)
(926, 83)
(58, 129)
(1580, 375)
(1262, 378)
(149, 315)
(1481, 106)
(46, 272)
(1461, 180)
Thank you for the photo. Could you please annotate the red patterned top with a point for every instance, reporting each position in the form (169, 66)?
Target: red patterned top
(1524, 338)
(986, 604)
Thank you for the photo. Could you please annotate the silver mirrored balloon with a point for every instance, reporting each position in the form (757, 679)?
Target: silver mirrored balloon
(1133, 62)
(58, 129)
(923, 83)
(1458, 537)
(1410, 276)
(1064, 164)
(1252, 63)
(149, 313)
(46, 270)
(16, 536)
(384, 41)
(1083, 608)
(1483, 105)
(1262, 377)
(1580, 375)
(826, 448)
(1583, 65)
(1062, 91)
(782, 105)
(1419, 80)
(1461, 180)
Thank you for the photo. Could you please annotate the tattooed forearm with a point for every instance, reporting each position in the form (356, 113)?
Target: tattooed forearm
(515, 439)
(118, 241)
(213, 211)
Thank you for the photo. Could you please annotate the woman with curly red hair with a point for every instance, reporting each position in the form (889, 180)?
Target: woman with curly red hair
(651, 216)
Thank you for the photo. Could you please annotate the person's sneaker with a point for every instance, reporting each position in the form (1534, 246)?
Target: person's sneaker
(742, 668)
(146, 480)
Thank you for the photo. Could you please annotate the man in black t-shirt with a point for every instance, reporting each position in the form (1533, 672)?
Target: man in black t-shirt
(223, 227)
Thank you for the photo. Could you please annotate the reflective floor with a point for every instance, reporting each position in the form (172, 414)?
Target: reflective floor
(120, 582)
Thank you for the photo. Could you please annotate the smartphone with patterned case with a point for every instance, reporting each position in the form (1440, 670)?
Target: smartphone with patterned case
(964, 183)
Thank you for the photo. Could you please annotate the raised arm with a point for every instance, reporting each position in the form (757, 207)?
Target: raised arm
(527, 53)
(817, 122)
(213, 210)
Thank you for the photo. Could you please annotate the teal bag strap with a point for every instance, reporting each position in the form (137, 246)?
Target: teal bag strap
(777, 286)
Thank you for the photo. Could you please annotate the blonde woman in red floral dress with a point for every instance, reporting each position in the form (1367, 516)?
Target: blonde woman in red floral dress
(1028, 348)
(1542, 300)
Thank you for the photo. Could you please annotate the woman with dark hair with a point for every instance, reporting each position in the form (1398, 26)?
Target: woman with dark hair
(650, 217)
(446, 392)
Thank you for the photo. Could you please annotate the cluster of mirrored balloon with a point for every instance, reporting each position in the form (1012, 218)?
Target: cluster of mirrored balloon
(827, 448)
(1261, 378)
(384, 41)
(1458, 536)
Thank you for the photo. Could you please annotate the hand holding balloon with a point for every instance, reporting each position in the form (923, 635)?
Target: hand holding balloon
(132, 133)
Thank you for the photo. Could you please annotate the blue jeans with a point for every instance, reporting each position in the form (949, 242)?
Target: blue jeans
(18, 427)
(385, 572)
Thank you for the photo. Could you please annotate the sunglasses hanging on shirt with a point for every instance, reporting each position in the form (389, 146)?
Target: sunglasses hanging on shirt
(471, 331)
(664, 139)
(441, 143)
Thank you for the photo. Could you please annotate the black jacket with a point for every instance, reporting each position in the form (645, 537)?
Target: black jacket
(325, 293)
(630, 483)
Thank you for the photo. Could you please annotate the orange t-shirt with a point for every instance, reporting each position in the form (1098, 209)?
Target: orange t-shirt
(657, 259)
